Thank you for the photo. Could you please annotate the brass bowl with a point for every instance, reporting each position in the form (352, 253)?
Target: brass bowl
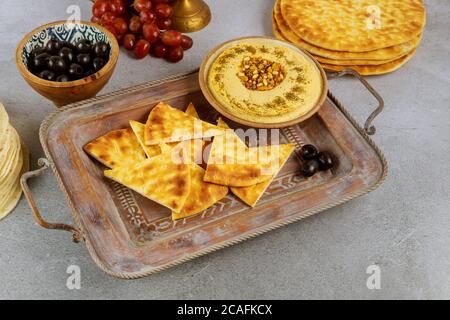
(63, 93)
(190, 15)
(212, 56)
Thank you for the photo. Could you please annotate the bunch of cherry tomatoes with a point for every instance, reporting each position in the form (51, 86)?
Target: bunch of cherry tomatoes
(142, 26)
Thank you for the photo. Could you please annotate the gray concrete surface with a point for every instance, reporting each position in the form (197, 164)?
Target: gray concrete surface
(403, 226)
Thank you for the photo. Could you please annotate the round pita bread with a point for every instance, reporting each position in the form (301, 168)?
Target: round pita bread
(282, 31)
(346, 25)
(11, 200)
(373, 70)
(4, 122)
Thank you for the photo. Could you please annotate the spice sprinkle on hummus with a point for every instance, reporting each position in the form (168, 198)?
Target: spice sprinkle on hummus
(262, 82)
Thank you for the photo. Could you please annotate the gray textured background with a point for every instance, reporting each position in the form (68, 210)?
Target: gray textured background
(403, 226)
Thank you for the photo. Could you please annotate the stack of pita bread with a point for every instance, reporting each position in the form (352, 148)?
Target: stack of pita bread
(14, 161)
(163, 161)
(370, 36)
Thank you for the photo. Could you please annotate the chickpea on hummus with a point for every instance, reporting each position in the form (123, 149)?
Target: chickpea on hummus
(263, 82)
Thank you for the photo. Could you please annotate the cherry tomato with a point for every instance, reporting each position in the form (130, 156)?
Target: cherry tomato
(174, 54)
(129, 41)
(94, 19)
(99, 8)
(111, 29)
(119, 38)
(147, 16)
(150, 31)
(108, 18)
(163, 11)
(159, 49)
(141, 5)
(135, 24)
(186, 42)
(120, 25)
(164, 24)
(117, 7)
(171, 38)
(141, 49)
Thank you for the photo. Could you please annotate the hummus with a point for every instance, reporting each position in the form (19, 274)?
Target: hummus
(263, 82)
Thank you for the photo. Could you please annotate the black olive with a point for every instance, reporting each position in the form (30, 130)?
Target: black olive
(84, 59)
(325, 161)
(57, 64)
(52, 47)
(101, 49)
(66, 44)
(75, 71)
(35, 52)
(40, 61)
(98, 63)
(310, 168)
(83, 46)
(308, 151)
(67, 54)
(47, 75)
(63, 78)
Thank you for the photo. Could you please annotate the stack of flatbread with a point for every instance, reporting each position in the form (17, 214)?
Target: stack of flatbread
(14, 160)
(370, 36)
(163, 161)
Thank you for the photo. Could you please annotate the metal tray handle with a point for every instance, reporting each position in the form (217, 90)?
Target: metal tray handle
(77, 234)
(368, 127)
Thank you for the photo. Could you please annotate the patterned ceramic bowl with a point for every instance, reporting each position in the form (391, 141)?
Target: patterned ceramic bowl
(62, 93)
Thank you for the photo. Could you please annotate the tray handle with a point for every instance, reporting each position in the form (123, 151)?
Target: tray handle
(77, 234)
(368, 127)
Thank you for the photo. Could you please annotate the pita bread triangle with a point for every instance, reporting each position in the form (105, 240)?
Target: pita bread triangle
(192, 111)
(233, 164)
(195, 150)
(161, 179)
(139, 129)
(168, 124)
(202, 194)
(116, 148)
(251, 195)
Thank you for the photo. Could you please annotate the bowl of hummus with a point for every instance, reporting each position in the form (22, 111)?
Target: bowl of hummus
(263, 82)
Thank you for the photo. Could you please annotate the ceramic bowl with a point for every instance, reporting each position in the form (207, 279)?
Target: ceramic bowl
(63, 93)
(222, 109)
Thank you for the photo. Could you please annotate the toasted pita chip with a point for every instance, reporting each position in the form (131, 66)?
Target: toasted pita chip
(233, 164)
(118, 147)
(160, 179)
(139, 129)
(251, 195)
(194, 148)
(192, 111)
(202, 194)
(167, 124)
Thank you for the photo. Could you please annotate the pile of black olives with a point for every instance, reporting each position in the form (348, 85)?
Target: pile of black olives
(63, 61)
(315, 161)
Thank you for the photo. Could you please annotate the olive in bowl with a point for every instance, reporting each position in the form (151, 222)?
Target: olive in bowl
(69, 70)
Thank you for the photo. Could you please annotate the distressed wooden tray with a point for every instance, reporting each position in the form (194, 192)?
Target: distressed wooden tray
(129, 236)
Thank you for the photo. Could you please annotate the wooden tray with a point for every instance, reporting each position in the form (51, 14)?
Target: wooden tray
(129, 236)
